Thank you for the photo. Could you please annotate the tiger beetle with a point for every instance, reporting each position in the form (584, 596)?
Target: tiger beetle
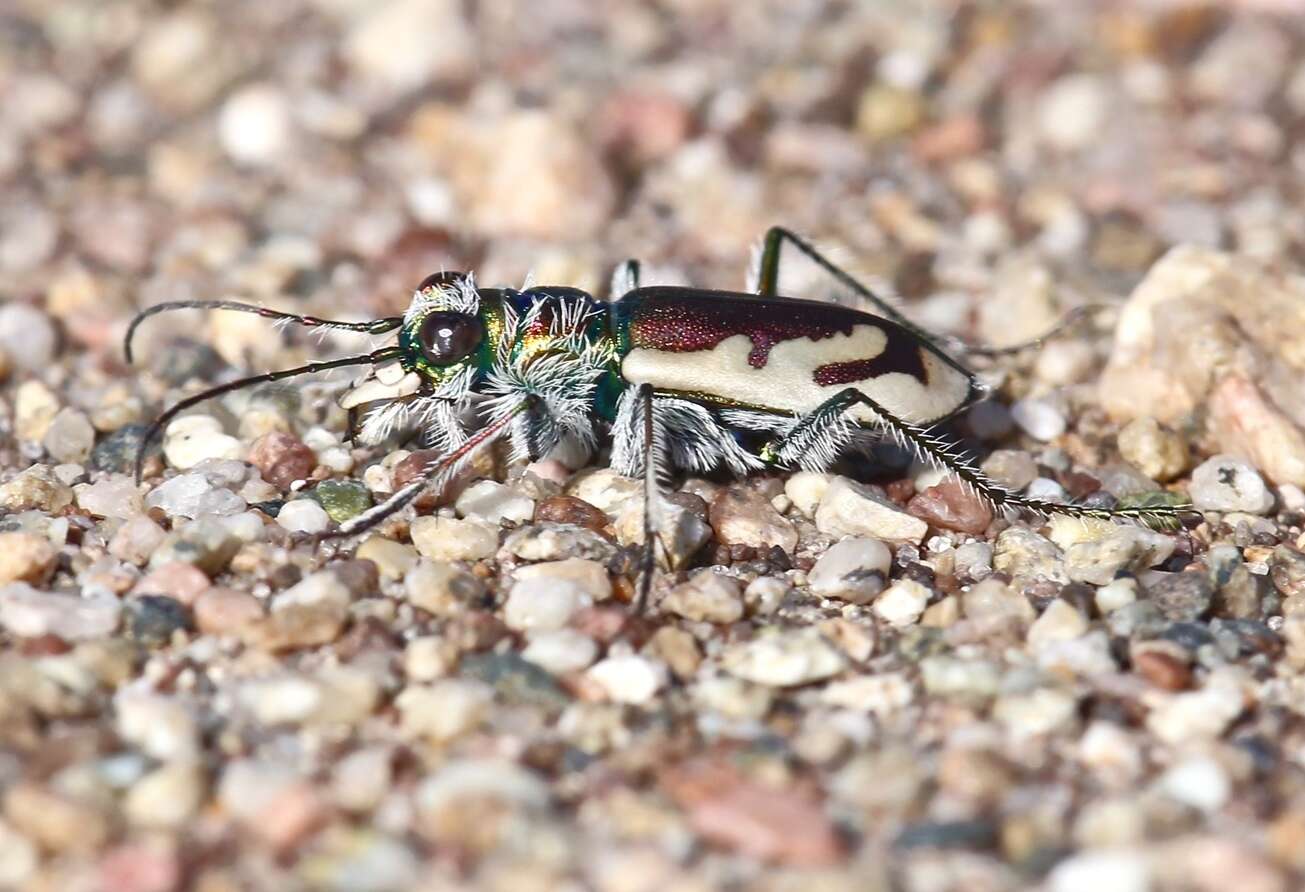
(679, 377)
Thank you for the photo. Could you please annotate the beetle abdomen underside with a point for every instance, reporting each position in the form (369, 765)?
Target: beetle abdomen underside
(782, 355)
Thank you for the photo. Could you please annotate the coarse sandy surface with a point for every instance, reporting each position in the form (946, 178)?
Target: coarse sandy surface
(856, 681)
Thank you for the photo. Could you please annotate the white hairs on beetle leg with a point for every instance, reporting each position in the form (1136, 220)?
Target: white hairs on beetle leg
(692, 439)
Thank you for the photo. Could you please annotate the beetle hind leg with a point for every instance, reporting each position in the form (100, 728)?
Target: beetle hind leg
(625, 278)
(828, 428)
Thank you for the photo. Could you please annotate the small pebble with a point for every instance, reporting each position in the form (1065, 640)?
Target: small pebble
(569, 509)
(783, 659)
(28, 613)
(195, 438)
(152, 619)
(805, 489)
(708, 597)
(1226, 483)
(442, 588)
(1154, 450)
(136, 540)
(342, 499)
(192, 495)
(180, 581)
(70, 437)
(494, 503)
(902, 602)
(224, 611)
(36, 488)
(543, 603)
(1059, 622)
(393, 560)
(1039, 418)
(561, 651)
(951, 505)
(303, 516)
(449, 539)
(27, 336)
(254, 125)
(113, 495)
(851, 509)
(282, 459)
(591, 576)
(854, 570)
(746, 517)
(628, 679)
(167, 797)
(26, 557)
(1011, 468)
(443, 710)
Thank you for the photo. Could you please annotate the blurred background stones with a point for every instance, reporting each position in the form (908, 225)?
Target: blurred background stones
(861, 680)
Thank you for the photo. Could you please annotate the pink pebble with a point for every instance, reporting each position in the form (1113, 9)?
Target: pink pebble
(224, 611)
(182, 581)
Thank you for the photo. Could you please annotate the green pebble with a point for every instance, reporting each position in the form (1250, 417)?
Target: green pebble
(342, 499)
(1155, 499)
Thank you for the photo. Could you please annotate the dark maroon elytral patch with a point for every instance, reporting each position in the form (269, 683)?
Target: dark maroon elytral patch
(687, 324)
(898, 355)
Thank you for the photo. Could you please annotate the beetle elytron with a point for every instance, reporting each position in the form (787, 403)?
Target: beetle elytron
(681, 377)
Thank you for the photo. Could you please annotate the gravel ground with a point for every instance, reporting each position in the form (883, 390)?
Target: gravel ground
(856, 681)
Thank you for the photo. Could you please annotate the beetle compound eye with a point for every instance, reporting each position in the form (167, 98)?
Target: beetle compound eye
(448, 337)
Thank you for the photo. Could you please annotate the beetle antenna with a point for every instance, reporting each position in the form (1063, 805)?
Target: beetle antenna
(1068, 321)
(375, 326)
(172, 411)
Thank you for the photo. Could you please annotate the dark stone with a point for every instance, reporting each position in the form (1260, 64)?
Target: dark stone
(186, 359)
(116, 453)
(1141, 619)
(517, 680)
(1241, 638)
(272, 508)
(1287, 570)
(1183, 596)
(1189, 636)
(979, 833)
(152, 619)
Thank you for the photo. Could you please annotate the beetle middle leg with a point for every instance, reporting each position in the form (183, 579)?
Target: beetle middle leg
(856, 293)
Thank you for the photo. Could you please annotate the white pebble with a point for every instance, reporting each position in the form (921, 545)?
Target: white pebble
(27, 336)
(784, 658)
(195, 438)
(853, 569)
(805, 489)
(449, 539)
(1039, 418)
(495, 503)
(543, 603)
(629, 678)
(1119, 870)
(114, 495)
(1226, 483)
(1198, 781)
(560, 651)
(902, 603)
(303, 516)
(1046, 488)
(254, 125)
(850, 509)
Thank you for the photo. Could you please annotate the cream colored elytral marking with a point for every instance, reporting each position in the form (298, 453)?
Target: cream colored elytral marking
(786, 383)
